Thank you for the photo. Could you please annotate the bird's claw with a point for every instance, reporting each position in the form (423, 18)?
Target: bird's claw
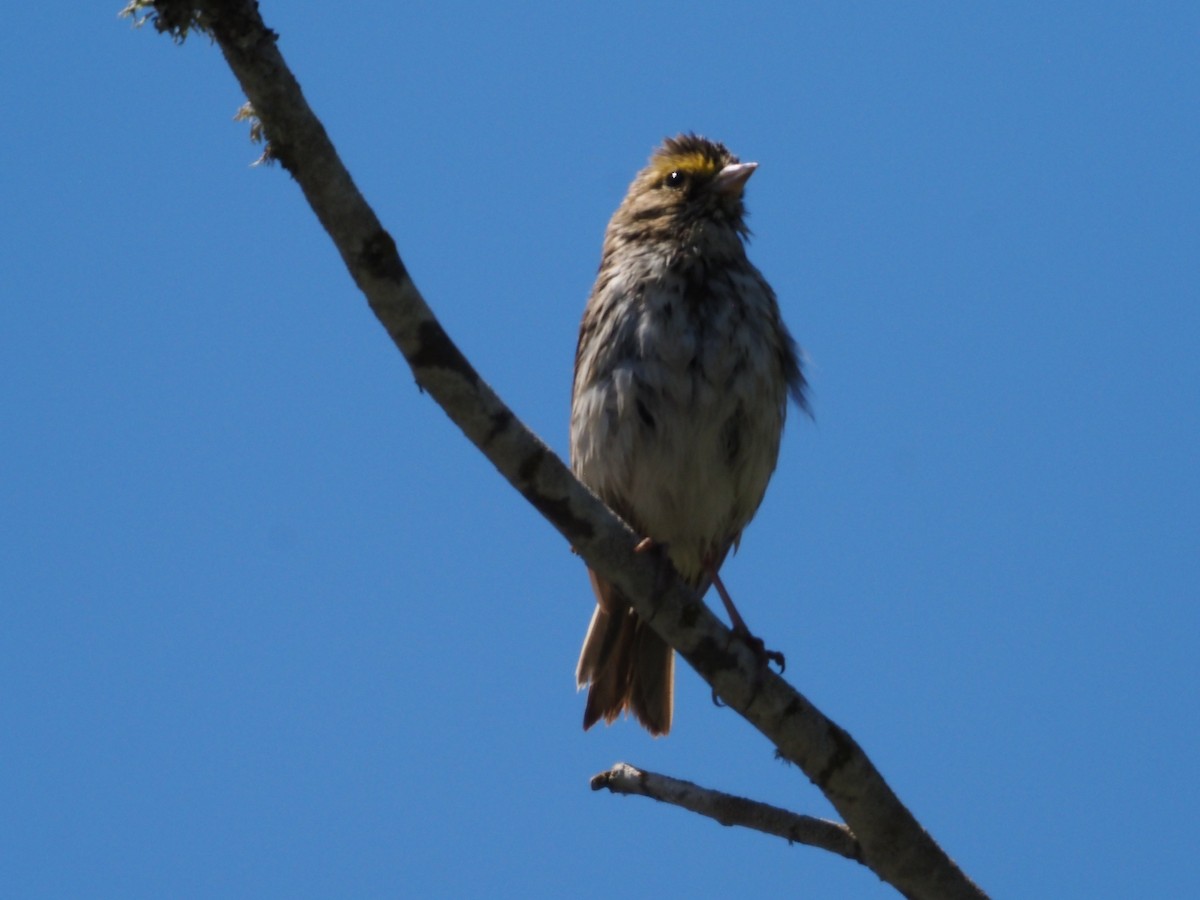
(765, 656)
(770, 656)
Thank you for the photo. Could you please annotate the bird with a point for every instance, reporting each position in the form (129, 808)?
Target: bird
(683, 371)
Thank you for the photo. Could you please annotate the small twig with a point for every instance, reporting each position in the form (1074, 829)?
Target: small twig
(730, 810)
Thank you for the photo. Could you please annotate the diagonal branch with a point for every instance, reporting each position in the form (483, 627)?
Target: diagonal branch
(730, 810)
(894, 845)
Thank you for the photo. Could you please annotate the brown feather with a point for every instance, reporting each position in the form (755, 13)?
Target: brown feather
(625, 665)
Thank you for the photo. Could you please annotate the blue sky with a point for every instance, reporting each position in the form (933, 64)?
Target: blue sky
(269, 626)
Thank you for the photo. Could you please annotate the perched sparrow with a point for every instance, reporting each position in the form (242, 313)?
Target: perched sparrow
(682, 376)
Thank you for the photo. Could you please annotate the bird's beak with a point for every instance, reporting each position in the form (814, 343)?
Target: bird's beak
(732, 179)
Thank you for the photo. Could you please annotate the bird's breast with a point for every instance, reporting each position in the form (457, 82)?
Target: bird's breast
(680, 427)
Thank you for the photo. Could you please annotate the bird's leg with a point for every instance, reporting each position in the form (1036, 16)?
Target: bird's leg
(739, 624)
(740, 628)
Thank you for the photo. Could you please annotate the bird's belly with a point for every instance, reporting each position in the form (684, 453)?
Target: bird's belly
(682, 494)
(670, 463)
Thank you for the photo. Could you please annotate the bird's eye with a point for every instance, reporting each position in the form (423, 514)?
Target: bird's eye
(676, 179)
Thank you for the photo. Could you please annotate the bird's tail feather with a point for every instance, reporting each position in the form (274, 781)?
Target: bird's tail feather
(625, 665)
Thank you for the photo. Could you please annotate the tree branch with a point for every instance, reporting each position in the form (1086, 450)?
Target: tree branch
(730, 810)
(893, 843)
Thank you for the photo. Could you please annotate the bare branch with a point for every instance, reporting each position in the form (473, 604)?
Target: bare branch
(730, 810)
(893, 843)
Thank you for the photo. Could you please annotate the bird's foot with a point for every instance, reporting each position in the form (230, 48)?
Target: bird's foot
(764, 656)
(759, 649)
(646, 543)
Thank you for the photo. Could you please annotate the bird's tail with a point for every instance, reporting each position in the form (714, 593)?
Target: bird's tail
(625, 665)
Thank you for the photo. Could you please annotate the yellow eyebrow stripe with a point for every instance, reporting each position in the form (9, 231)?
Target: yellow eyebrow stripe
(694, 163)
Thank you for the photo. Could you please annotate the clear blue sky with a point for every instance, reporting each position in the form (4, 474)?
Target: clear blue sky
(270, 627)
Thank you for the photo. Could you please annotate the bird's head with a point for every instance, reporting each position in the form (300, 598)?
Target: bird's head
(690, 181)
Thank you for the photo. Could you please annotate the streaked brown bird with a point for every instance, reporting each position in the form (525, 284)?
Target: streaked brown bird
(682, 376)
